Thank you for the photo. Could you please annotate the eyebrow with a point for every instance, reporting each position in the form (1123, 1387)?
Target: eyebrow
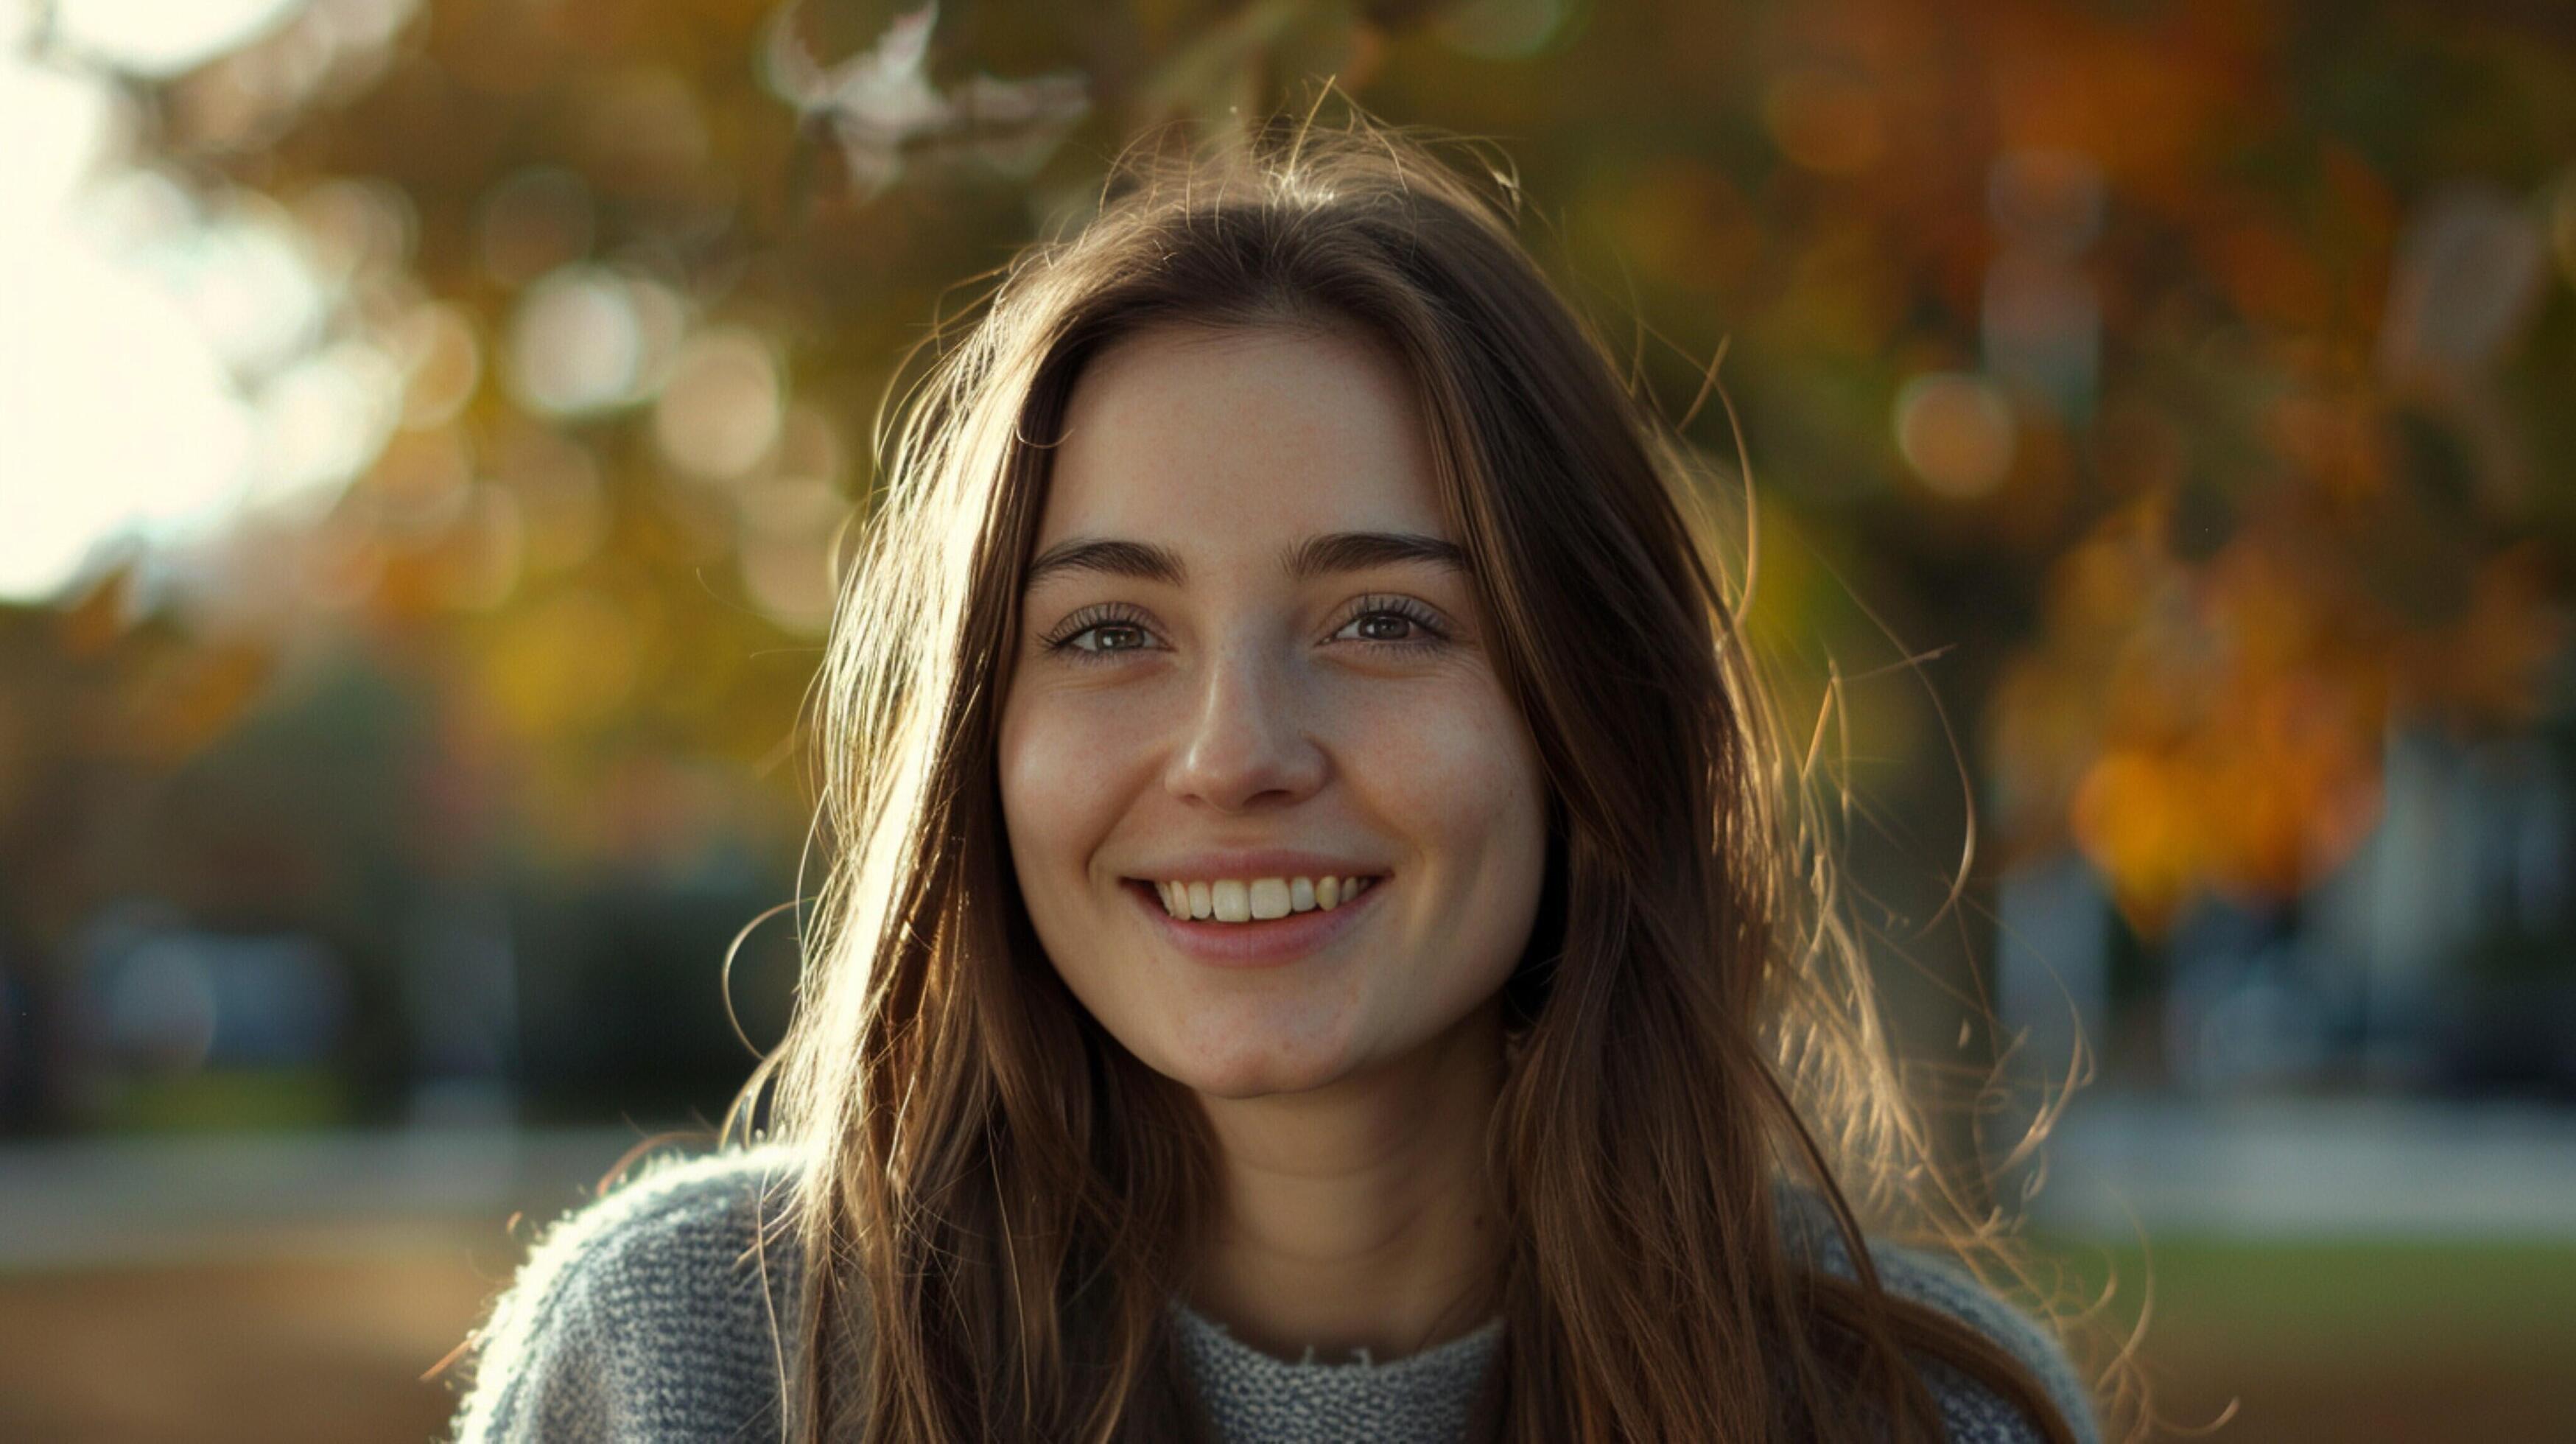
(1316, 556)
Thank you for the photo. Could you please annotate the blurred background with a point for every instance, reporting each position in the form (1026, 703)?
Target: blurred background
(428, 427)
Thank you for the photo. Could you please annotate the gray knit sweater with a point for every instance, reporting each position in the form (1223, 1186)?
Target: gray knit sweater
(641, 1317)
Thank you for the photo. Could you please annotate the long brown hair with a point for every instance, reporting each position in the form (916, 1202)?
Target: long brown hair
(998, 1201)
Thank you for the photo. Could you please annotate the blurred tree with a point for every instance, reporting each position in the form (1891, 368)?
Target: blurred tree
(2189, 376)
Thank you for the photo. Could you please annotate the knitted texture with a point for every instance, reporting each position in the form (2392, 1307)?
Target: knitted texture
(642, 1318)
(1253, 1396)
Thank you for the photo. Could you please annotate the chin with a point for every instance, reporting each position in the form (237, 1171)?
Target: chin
(1255, 1069)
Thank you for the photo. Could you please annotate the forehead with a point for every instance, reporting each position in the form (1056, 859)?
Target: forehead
(1224, 440)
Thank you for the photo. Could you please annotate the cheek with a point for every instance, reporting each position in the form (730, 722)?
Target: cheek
(1461, 784)
(1463, 779)
(1060, 787)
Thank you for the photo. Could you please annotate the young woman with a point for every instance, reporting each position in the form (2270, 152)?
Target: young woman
(1318, 942)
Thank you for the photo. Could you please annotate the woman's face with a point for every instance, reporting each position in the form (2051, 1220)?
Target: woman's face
(1250, 660)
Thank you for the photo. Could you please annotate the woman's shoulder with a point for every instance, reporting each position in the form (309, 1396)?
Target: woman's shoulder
(1974, 1413)
(656, 1311)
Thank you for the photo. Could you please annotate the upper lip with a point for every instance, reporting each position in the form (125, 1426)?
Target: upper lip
(1249, 863)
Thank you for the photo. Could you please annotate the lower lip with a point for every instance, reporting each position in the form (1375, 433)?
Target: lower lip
(1263, 944)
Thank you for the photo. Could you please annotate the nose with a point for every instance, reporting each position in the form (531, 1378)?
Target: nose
(1246, 744)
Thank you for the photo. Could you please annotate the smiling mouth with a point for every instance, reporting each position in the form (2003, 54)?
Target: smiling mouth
(1238, 902)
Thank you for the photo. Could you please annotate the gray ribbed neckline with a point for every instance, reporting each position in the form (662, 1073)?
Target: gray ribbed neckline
(1467, 1351)
(1253, 1398)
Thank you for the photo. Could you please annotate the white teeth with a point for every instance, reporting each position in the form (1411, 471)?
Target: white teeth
(1237, 900)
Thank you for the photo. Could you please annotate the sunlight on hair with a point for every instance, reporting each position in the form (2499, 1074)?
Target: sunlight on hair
(1728, 1012)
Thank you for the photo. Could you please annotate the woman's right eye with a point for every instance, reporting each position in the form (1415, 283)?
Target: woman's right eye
(1104, 633)
(1095, 636)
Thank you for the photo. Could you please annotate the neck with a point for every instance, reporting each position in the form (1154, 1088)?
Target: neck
(1356, 1215)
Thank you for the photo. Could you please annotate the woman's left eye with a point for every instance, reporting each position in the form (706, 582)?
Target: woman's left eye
(1394, 622)
(1394, 628)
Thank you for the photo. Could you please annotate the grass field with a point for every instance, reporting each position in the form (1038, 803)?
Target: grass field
(2400, 1340)
(2357, 1343)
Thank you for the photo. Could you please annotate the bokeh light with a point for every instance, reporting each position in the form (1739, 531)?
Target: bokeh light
(163, 38)
(324, 419)
(355, 230)
(720, 409)
(91, 339)
(591, 338)
(442, 360)
(789, 528)
(1956, 431)
(206, 306)
(244, 279)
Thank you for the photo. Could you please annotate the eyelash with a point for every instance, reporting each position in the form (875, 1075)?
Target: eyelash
(1116, 614)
